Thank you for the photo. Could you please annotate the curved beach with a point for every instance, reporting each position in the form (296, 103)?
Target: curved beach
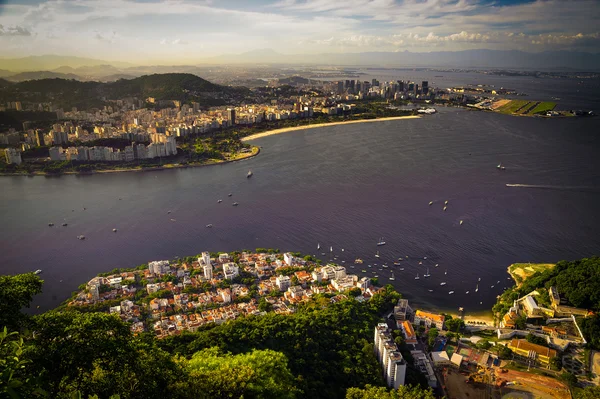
(303, 127)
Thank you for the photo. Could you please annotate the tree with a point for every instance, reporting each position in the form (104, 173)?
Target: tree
(534, 339)
(15, 379)
(432, 334)
(403, 392)
(354, 292)
(17, 292)
(556, 363)
(256, 374)
(264, 305)
(504, 352)
(484, 344)
(589, 392)
(455, 325)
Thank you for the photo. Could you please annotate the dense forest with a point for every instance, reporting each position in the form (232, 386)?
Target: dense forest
(321, 351)
(66, 93)
(577, 281)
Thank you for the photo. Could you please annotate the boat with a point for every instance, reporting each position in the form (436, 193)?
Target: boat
(477, 288)
(461, 222)
(443, 283)
(249, 175)
(81, 237)
(446, 272)
(369, 266)
(401, 269)
(467, 292)
(376, 276)
(498, 282)
(219, 201)
(64, 224)
(437, 264)
(114, 230)
(479, 279)
(424, 257)
(416, 278)
(396, 263)
(318, 246)
(209, 225)
(392, 277)
(330, 249)
(323, 253)
(492, 286)
(451, 292)
(235, 204)
(386, 266)
(173, 220)
(420, 263)
(50, 224)
(380, 242)
(358, 260)
(445, 207)
(38, 271)
(168, 212)
(446, 202)
(427, 275)
(430, 290)
(342, 249)
(377, 254)
(500, 166)
(229, 195)
(430, 202)
(364, 271)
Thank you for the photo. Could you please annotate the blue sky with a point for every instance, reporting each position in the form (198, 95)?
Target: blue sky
(177, 31)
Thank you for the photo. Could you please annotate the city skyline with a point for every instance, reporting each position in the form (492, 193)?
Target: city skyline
(178, 31)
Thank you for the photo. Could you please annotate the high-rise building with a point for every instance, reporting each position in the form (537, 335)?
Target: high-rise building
(13, 156)
(391, 360)
(231, 116)
(425, 87)
(411, 86)
(38, 137)
(59, 137)
(204, 261)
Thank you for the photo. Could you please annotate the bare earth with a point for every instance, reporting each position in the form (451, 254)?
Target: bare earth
(303, 127)
(535, 386)
(499, 103)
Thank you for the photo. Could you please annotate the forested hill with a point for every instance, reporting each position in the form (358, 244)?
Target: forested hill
(84, 95)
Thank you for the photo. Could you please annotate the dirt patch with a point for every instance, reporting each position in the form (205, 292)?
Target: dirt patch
(537, 385)
(499, 103)
(457, 388)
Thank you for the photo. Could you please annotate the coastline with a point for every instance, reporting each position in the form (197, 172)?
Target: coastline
(303, 127)
(255, 152)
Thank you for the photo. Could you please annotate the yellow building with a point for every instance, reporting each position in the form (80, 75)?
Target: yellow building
(531, 351)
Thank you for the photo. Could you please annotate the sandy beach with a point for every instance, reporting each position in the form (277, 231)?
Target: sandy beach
(303, 127)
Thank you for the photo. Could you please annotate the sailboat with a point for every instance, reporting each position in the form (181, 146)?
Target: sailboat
(392, 277)
(427, 275)
(249, 175)
(451, 292)
(380, 242)
(445, 207)
(437, 264)
(416, 278)
(446, 272)
(467, 292)
(330, 249)
(377, 254)
(430, 202)
(479, 279)
(477, 288)
(443, 283)
(461, 222)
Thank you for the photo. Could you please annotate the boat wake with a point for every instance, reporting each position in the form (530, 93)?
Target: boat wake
(550, 187)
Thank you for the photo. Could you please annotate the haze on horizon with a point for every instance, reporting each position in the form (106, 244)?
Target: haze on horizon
(179, 31)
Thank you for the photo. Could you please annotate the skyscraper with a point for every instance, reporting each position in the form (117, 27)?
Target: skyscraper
(231, 116)
(425, 87)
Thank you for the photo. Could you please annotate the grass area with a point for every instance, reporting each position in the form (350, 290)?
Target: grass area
(543, 107)
(521, 271)
(512, 107)
(516, 366)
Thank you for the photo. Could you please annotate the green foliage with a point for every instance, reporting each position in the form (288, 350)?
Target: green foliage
(484, 344)
(404, 392)
(329, 349)
(354, 292)
(256, 374)
(534, 339)
(455, 325)
(17, 292)
(14, 379)
(569, 378)
(589, 392)
(432, 334)
(556, 363)
(504, 352)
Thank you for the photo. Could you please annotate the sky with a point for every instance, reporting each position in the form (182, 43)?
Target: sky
(175, 31)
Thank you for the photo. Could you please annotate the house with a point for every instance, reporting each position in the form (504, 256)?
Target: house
(230, 270)
(440, 358)
(429, 319)
(531, 307)
(534, 352)
(288, 258)
(410, 337)
(456, 360)
(283, 283)
(402, 311)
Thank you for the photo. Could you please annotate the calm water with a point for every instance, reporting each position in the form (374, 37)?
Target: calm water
(341, 186)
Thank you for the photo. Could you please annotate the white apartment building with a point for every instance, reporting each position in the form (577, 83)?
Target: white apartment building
(288, 258)
(391, 360)
(283, 283)
(231, 270)
(159, 267)
(13, 156)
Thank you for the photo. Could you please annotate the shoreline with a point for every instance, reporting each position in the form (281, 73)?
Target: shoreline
(255, 152)
(303, 127)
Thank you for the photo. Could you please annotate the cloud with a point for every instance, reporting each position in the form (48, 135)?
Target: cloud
(106, 37)
(14, 31)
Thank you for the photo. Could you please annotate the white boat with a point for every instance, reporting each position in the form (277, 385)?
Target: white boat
(401, 269)
(446, 272)
(219, 201)
(461, 222)
(492, 286)
(445, 207)
(430, 290)
(229, 195)
(81, 237)
(420, 263)
(467, 292)
(209, 225)
(386, 266)
(477, 288)
(318, 246)
(330, 249)
(377, 254)
(249, 175)
(446, 202)
(451, 292)
(437, 264)
(479, 279)
(443, 283)
(235, 204)
(392, 277)
(427, 275)
(38, 271)
(416, 278)
(114, 230)
(430, 202)
(50, 224)
(380, 242)
(424, 257)
(342, 249)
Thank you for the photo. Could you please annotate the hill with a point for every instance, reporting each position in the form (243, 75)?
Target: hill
(36, 75)
(50, 62)
(85, 95)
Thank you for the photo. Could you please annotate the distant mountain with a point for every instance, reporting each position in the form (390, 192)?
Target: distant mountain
(452, 59)
(20, 77)
(4, 73)
(84, 95)
(5, 83)
(115, 77)
(52, 62)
